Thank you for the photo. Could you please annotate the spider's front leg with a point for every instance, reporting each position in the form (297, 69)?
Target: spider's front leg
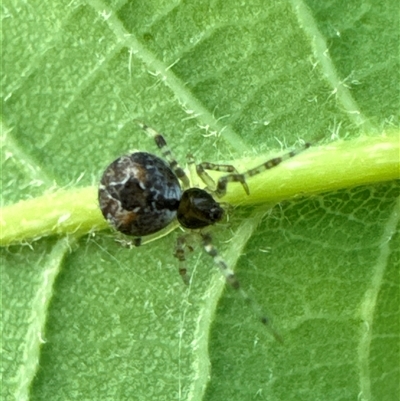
(226, 168)
(227, 272)
(234, 176)
(232, 280)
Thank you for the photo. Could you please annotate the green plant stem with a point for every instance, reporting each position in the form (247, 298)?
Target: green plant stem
(341, 164)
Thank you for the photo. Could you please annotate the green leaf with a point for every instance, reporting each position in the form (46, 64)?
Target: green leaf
(84, 318)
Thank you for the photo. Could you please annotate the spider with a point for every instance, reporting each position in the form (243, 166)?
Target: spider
(140, 194)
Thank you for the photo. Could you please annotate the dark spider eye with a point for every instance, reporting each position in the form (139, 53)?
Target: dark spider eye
(198, 209)
(216, 213)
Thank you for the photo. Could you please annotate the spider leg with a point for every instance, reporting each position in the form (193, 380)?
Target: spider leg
(226, 168)
(128, 243)
(167, 153)
(231, 279)
(180, 252)
(269, 164)
(228, 273)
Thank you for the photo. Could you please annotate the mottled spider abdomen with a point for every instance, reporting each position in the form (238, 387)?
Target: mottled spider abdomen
(139, 194)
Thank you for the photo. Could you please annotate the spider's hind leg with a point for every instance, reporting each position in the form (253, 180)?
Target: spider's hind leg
(123, 241)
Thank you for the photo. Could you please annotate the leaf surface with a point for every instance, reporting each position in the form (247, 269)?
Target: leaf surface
(84, 318)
